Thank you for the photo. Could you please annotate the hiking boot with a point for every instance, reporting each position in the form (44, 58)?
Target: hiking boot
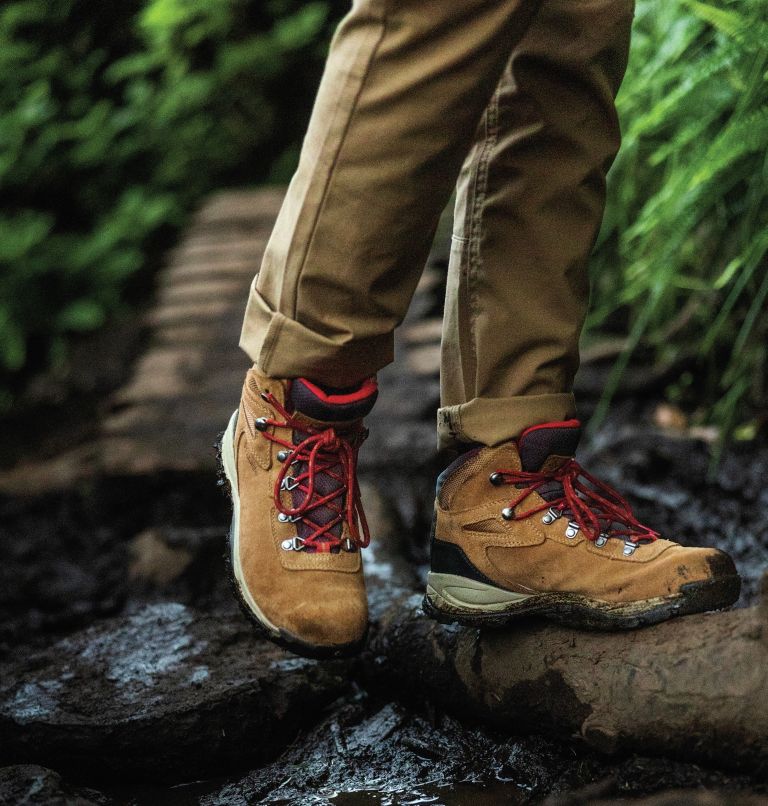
(522, 529)
(289, 455)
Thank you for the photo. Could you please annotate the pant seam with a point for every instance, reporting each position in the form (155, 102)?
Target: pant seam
(271, 339)
(474, 263)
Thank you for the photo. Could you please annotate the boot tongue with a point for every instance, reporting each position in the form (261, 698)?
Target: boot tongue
(537, 443)
(316, 405)
(330, 404)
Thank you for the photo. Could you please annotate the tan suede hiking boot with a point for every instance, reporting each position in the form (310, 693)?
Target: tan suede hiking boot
(289, 454)
(522, 529)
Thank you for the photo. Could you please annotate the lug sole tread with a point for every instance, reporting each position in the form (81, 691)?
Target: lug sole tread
(574, 611)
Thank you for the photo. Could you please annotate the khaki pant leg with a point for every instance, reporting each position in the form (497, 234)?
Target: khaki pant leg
(404, 88)
(530, 199)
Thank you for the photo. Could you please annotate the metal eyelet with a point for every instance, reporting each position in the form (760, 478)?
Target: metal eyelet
(602, 539)
(508, 513)
(629, 548)
(282, 455)
(348, 545)
(496, 478)
(289, 483)
(261, 424)
(551, 515)
(292, 544)
(283, 518)
(572, 530)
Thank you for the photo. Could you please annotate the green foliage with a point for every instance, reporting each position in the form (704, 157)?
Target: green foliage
(114, 119)
(682, 254)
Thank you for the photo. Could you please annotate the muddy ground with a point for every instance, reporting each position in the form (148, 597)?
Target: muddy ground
(129, 676)
(107, 551)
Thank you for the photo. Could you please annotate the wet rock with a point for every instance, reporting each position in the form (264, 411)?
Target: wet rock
(69, 559)
(31, 785)
(393, 754)
(372, 753)
(165, 693)
(59, 567)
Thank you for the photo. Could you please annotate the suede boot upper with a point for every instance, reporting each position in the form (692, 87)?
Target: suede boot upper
(526, 518)
(301, 525)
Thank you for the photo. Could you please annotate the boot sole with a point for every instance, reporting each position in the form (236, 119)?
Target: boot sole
(227, 471)
(452, 599)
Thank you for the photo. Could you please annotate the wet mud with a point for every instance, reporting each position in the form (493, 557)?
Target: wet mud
(130, 676)
(98, 556)
(368, 752)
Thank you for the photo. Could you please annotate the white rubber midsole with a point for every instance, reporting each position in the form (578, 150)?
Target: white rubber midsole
(469, 594)
(230, 470)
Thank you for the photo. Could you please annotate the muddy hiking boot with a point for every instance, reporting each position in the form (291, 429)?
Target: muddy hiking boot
(289, 455)
(522, 529)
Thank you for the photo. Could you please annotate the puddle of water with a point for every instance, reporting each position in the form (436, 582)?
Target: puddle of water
(495, 793)
(464, 794)
(186, 794)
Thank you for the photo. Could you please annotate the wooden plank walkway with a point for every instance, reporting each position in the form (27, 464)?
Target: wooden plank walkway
(187, 381)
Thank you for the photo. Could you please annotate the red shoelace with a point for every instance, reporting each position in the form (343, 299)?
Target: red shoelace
(323, 451)
(592, 504)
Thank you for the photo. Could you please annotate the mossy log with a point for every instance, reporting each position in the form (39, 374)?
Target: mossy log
(693, 688)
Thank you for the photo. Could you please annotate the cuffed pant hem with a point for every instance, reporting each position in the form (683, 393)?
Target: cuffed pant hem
(283, 348)
(491, 421)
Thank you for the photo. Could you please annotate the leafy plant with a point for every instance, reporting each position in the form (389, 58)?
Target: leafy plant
(116, 118)
(683, 250)
(114, 121)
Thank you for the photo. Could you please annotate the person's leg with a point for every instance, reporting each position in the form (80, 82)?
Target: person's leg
(529, 203)
(403, 91)
(519, 527)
